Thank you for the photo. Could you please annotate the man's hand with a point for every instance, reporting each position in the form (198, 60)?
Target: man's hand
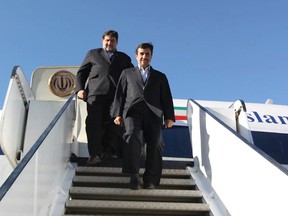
(168, 123)
(82, 95)
(118, 120)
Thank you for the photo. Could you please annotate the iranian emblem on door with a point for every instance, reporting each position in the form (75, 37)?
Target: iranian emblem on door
(62, 83)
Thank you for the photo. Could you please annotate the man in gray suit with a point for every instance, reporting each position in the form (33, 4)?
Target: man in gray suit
(142, 102)
(102, 68)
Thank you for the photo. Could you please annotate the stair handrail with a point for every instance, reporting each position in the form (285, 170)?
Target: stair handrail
(19, 168)
(238, 106)
(278, 165)
(223, 159)
(18, 92)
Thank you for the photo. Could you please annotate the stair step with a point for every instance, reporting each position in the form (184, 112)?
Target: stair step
(116, 171)
(134, 208)
(105, 191)
(135, 195)
(108, 181)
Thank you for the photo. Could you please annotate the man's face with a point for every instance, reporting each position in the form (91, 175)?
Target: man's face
(109, 43)
(143, 57)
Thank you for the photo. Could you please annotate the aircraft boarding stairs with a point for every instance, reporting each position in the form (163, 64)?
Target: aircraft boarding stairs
(104, 190)
(48, 131)
(228, 176)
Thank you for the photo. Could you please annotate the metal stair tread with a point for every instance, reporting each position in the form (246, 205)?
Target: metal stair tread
(117, 170)
(105, 191)
(125, 180)
(134, 206)
(119, 193)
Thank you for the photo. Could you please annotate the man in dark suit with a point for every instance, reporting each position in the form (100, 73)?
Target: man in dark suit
(102, 68)
(142, 101)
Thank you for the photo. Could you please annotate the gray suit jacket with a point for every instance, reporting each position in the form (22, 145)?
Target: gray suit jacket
(155, 92)
(99, 70)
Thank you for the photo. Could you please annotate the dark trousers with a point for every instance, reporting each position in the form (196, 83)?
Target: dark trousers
(102, 133)
(143, 126)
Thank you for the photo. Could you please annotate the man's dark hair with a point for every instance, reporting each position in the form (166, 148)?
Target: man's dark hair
(111, 33)
(146, 45)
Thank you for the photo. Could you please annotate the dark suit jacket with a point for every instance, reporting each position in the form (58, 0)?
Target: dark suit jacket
(155, 92)
(100, 71)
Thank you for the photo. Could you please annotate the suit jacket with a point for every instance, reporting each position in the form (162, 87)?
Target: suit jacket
(155, 92)
(99, 71)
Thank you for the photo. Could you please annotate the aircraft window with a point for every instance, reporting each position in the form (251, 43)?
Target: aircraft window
(273, 144)
(177, 142)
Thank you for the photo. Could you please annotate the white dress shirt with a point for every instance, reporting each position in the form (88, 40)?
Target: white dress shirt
(144, 73)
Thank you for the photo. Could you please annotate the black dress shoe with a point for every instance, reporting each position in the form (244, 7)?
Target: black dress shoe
(149, 186)
(135, 182)
(92, 161)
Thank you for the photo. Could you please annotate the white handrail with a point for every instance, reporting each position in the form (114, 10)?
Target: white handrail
(247, 180)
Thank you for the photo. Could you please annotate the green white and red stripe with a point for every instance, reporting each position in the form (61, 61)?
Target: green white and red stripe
(180, 113)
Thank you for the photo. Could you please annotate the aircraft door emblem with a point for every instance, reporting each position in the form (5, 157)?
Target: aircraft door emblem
(62, 83)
